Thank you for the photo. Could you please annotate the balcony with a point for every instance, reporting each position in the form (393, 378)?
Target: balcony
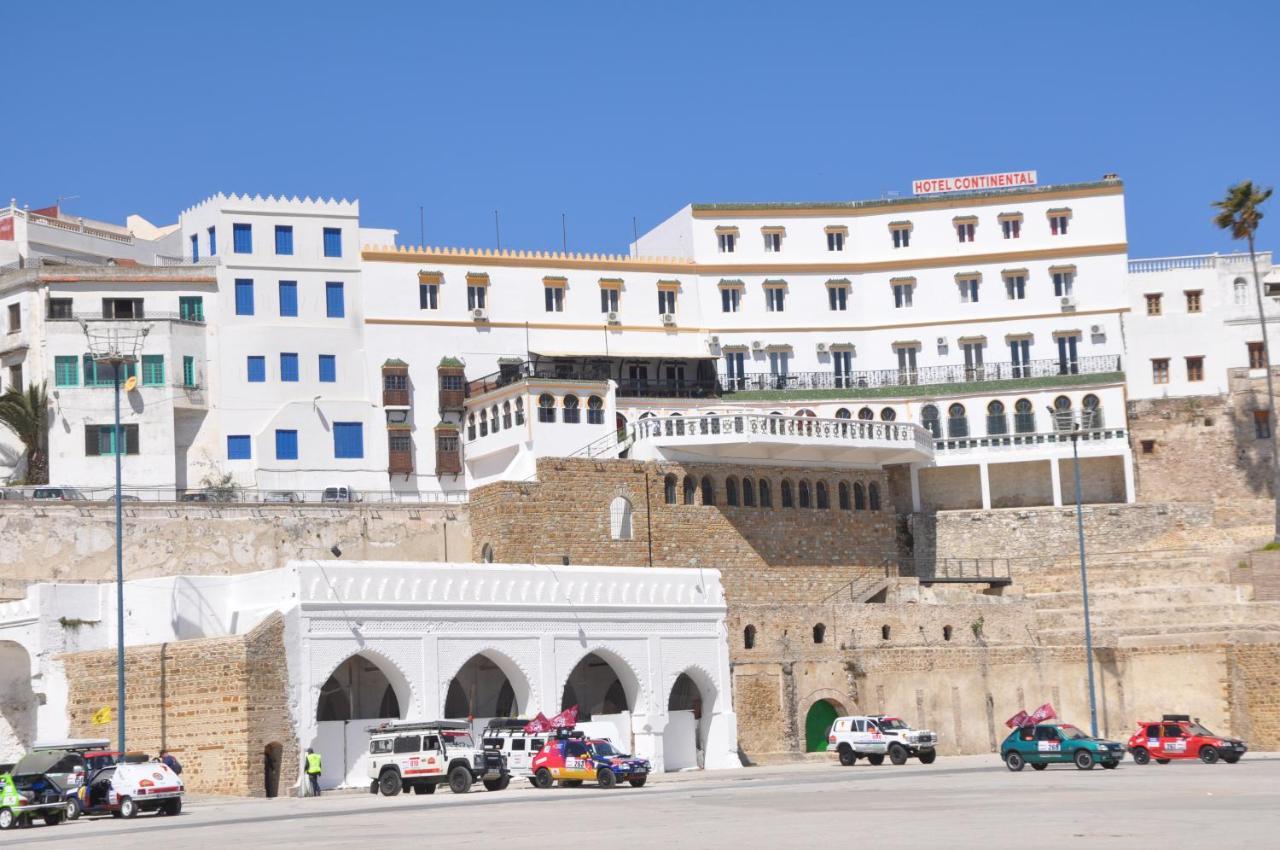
(753, 437)
(400, 462)
(392, 397)
(705, 387)
(1238, 261)
(927, 380)
(1094, 438)
(189, 318)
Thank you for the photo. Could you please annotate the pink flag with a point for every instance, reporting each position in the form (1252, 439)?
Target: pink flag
(566, 719)
(1043, 713)
(537, 725)
(1018, 720)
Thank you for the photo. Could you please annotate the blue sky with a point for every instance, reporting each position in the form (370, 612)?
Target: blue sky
(605, 110)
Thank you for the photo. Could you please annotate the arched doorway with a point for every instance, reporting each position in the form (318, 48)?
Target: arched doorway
(689, 710)
(817, 723)
(271, 756)
(359, 689)
(17, 702)
(596, 686)
(486, 686)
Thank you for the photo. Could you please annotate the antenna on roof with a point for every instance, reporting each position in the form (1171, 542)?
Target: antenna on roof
(564, 235)
(422, 227)
(497, 231)
(635, 238)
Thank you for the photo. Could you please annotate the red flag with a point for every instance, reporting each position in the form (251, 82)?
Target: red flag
(566, 719)
(1043, 713)
(537, 725)
(1018, 720)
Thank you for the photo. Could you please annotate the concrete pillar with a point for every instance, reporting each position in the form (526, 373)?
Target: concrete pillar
(1130, 495)
(984, 481)
(1055, 476)
(915, 489)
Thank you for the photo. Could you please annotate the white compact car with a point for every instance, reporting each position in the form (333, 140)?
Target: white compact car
(128, 788)
(853, 738)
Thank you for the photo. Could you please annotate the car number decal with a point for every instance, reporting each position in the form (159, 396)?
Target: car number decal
(1176, 747)
(1048, 746)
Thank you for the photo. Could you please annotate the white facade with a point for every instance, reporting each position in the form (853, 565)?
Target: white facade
(1191, 319)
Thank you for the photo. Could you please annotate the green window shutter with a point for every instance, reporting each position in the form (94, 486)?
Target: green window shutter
(66, 371)
(188, 371)
(153, 370)
(106, 440)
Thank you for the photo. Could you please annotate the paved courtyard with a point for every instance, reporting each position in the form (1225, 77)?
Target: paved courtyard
(966, 801)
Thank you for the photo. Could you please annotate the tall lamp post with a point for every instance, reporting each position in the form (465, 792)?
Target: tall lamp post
(1067, 421)
(117, 347)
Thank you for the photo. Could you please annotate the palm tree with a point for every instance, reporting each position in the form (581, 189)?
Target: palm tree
(26, 414)
(1239, 213)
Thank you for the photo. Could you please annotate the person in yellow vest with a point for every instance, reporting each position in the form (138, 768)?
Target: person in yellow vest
(313, 771)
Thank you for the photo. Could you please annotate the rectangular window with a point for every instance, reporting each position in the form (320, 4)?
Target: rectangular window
(1020, 355)
(1011, 228)
(774, 299)
(1154, 307)
(286, 445)
(1160, 370)
(1068, 355)
(284, 239)
(475, 297)
(195, 248)
(15, 317)
(968, 290)
(553, 297)
(103, 374)
(335, 300)
(901, 236)
(1015, 286)
(842, 367)
(907, 363)
(730, 299)
(772, 242)
(239, 447)
(727, 242)
(242, 238)
(333, 242)
(666, 301)
(1058, 224)
(213, 241)
(1193, 300)
(257, 369)
(1262, 424)
(1063, 283)
(902, 295)
(348, 440)
(780, 364)
(153, 370)
(1195, 368)
(122, 308)
(289, 367)
(101, 440)
(60, 308)
(964, 230)
(244, 297)
(66, 371)
(188, 371)
(609, 300)
(191, 308)
(288, 298)
(428, 296)
(1257, 356)
(835, 240)
(328, 368)
(838, 297)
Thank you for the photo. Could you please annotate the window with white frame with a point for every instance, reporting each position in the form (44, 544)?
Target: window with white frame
(553, 297)
(1058, 221)
(772, 239)
(1064, 279)
(902, 292)
(838, 296)
(730, 298)
(1011, 225)
(727, 239)
(1015, 284)
(609, 299)
(666, 301)
(901, 233)
(836, 237)
(968, 288)
(965, 227)
(774, 297)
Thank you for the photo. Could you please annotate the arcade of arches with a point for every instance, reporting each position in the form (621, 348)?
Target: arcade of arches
(481, 689)
(358, 690)
(595, 687)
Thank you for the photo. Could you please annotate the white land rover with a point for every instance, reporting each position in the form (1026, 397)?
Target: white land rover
(853, 738)
(904, 741)
(422, 755)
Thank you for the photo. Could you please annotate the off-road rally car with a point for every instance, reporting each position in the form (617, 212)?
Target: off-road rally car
(422, 755)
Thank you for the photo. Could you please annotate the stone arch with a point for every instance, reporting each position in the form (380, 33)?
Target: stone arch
(371, 700)
(488, 684)
(589, 687)
(823, 707)
(18, 701)
(691, 689)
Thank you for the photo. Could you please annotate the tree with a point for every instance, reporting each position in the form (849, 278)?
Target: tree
(1239, 213)
(26, 414)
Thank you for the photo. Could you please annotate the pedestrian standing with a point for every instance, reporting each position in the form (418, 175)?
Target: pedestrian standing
(171, 761)
(313, 771)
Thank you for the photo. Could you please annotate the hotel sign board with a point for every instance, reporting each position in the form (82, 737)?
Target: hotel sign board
(973, 182)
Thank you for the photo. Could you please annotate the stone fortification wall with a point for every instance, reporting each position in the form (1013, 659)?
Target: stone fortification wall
(215, 703)
(76, 541)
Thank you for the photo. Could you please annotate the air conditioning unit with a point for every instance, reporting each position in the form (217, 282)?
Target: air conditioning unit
(822, 348)
(1067, 302)
(611, 317)
(714, 342)
(1095, 329)
(942, 340)
(668, 318)
(480, 314)
(757, 345)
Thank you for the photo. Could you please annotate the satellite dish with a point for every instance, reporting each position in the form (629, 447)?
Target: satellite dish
(131, 384)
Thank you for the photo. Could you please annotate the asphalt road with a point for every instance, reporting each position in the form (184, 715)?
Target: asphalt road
(966, 801)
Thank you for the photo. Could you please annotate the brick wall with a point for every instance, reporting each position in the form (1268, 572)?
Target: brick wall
(566, 513)
(215, 703)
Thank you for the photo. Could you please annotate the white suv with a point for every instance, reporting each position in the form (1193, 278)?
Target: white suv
(517, 746)
(904, 741)
(853, 738)
(422, 755)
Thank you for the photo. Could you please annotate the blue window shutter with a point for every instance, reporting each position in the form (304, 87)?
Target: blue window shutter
(328, 368)
(334, 302)
(348, 439)
(195, 248)
(244, 297)
(288, 298)
(286, 445)
(213, 241)
(239, 447)
(284, 239)
(257, 369)
(242, 238)
(333, 242)
(289, 367)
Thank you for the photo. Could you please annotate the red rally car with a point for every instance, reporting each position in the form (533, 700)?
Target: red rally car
(1177, 736)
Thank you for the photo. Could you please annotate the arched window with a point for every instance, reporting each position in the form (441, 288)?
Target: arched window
(866, 414)
(804, 411)
(648, 415)
(888, 414)
(1240, 290)
(819, 633)
(708, 491)
(805, 500)
(1024, 416)
(471, 426)
(749, 637)
(1092, 411)
(1062, 413)
(493, 416)
(484, 423)
(859, 497)
(997, 422)
(946, 633)
(748, 493)
(486, 554)
(929, 419)
(546, 408)
(766, 497)
(821, 497)
(731, 491)
(787, 500)
(595, 410)
(884, 633)
(957, 421)
(843, 491)
(572, 414)
(873, 496)
(620, 518)
(506, 414)
(669, 488)
(690, 489)
(843, 413)
(520, 411)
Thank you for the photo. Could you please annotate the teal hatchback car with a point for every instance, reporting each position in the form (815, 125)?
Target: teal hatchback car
(1058, 743)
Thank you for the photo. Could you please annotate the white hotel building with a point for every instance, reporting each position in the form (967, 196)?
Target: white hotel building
(292, 349)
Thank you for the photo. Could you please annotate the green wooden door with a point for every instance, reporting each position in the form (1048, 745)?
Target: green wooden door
(816, 725)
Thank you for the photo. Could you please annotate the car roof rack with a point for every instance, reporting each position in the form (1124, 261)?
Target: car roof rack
(420, 725)
(1177, 717)
(506, 724)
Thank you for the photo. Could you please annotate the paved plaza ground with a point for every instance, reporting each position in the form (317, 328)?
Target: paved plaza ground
(962, 801)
